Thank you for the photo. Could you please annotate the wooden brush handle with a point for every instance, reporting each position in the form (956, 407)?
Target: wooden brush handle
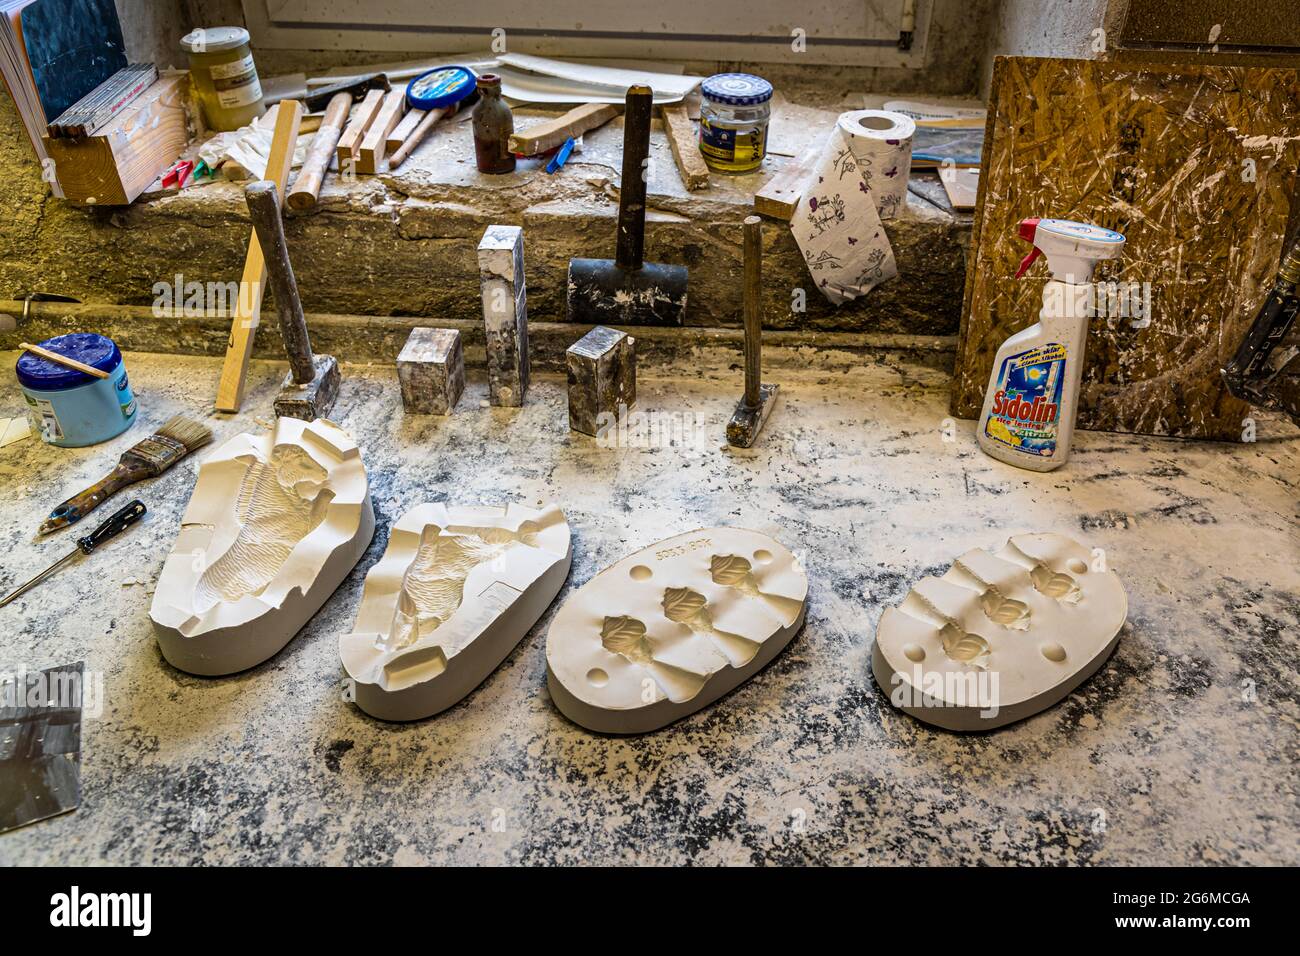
(80, 505)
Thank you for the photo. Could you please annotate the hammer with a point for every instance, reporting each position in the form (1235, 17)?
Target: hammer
(628, 290)
(312, 385)
(337, 102)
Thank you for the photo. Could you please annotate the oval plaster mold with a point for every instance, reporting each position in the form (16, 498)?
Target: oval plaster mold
(717, 606)
(1001, 635)
(456, 590)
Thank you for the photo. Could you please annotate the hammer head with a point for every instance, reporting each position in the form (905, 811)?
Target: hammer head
(358, 87)
(603, 293)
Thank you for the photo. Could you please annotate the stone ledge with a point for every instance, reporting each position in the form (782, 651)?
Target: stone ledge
(378, 339)
(404, 243)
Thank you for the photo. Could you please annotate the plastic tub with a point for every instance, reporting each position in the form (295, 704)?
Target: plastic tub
(70, 408)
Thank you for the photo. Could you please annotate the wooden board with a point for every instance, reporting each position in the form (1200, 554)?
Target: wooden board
(552, 133)
(962, 186)
(248, 309)
(779, 197)
(374, 145)
(118, 163)
(686, 151)
(1196, 165)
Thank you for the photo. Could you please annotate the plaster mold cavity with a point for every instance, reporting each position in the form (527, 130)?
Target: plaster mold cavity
(275, 523)
(670, 629)
(1001, 635)
(456, 590)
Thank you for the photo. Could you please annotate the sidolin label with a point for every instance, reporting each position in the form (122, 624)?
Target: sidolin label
(1026, 409)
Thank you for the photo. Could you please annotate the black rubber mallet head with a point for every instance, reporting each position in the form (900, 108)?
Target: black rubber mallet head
(628, 290)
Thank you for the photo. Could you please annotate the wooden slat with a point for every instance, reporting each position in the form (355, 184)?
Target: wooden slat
(350, 142)
(248, 310)
(374, 144)
(686, 150)
(404, 129)
(552, 133)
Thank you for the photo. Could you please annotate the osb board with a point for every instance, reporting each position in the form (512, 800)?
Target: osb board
(1160, 154)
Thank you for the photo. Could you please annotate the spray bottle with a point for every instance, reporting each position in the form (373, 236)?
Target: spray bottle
(1028, 416)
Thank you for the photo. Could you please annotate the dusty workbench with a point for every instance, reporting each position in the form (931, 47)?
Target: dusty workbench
(1180, 750)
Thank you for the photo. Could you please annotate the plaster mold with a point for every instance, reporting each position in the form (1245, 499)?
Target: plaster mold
(456, 591)
(276, 522)
(670, 629)
(1001, 636)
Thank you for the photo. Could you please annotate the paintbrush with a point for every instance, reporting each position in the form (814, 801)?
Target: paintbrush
(146, 459)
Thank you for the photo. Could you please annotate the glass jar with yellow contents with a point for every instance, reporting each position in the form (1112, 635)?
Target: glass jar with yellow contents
(224, 76)
(734, 113)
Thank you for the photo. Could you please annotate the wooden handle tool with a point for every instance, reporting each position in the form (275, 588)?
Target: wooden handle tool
(306, 188)
(63, 360)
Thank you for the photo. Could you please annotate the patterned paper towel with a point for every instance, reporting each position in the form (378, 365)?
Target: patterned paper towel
(860, 179)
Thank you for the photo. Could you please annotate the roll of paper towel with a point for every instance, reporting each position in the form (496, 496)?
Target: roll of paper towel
(860, 179)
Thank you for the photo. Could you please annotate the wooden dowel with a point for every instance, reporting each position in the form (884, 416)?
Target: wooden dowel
(63, 360)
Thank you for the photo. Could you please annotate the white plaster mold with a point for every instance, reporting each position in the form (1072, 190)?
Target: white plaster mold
(275, 523)
(1000, 636)
(670, 629)
(456, 590)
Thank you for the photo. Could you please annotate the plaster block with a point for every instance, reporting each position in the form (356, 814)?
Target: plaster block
(505, 313)
(602, 378)
(431, 369)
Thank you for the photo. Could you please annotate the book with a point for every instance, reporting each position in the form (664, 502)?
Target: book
(53, 53)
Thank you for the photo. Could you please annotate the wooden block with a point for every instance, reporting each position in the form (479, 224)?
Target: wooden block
(505, 313)
(350, 142)
(248, 310)
(123, 159)
(686, 151)
(431, 369)
(962, 186)
(404, 129)
(602, 380)
(374, 144)
(780, 195)
(552, 133)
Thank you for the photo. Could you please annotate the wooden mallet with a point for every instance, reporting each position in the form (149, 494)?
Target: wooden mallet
(312, 386)
(756, 404)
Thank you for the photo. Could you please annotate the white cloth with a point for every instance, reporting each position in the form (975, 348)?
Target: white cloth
(860, 179)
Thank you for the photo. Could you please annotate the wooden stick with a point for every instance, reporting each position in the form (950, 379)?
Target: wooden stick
(63, 360)
(350, 141)
(686, 150)
(375, 144)
(248, 310)
(538, 139)
(306, 188)
(417, 135)
(264, 210)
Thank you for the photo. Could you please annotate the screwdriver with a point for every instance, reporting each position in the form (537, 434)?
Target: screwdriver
(109, 529)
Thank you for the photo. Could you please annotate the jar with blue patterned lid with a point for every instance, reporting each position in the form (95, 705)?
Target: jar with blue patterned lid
(734, 114)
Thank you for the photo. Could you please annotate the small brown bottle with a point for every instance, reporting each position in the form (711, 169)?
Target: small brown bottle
(493, 124)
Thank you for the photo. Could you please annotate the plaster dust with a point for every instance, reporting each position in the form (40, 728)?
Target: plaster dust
(1175, 751)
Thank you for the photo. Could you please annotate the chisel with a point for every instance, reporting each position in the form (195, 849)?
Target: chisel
(109, 529)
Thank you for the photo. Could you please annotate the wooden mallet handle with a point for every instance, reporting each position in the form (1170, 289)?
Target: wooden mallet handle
(306, 188)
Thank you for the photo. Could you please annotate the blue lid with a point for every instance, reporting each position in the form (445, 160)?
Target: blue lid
(737, 89)
(439, 87)
(89, 348)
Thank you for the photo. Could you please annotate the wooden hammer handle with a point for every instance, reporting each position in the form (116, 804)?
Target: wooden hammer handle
(306, 188)
(417, 136)
(264, 210)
